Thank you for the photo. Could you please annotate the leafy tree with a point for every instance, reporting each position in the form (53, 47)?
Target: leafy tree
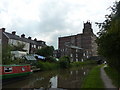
(46, 51)
(64, 62)
(18, 47)
(109, 37)
(6, 55)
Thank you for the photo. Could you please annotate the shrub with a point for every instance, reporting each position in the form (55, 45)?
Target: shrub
(64, 62)
(47, 65)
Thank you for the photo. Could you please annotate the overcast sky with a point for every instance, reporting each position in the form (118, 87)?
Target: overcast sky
(49, 19)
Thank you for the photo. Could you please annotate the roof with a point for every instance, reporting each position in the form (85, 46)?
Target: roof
(16, 65)
(74, 47)
(29, 57)
(71, 36)
(16, 37)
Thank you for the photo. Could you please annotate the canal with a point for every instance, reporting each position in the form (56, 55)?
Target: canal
(62, 78)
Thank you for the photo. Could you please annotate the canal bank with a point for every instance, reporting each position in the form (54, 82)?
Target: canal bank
(93, 79)
(102, 77)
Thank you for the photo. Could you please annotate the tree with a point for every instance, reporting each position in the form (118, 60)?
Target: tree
(64, 62)
(6, 55)
(45, 51)
(109, 37)
(18, 47)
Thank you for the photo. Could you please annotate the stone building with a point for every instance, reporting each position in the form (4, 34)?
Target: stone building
(80, 46)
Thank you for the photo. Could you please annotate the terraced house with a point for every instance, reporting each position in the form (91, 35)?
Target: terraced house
(11, 38)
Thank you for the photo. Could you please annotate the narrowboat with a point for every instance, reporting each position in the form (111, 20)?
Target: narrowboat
(12, 71)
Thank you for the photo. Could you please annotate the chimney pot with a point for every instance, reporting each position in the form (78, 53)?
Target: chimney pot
(3, 29)
(29, 38)
(23, 35)
(35, 39)
(14, 32)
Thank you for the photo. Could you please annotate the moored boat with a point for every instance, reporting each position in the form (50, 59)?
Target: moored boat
(12, 71)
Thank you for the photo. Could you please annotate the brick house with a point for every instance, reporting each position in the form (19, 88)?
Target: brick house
(80, 46)
(13, 39)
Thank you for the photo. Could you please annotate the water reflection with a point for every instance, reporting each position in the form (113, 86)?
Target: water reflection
(68, 78)
(54, 83)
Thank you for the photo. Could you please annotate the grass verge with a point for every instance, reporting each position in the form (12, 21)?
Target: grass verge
(77, 64)
(93, 79)
(114, 75)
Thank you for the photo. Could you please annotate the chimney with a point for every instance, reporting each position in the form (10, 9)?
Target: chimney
(14, 32)
(23, 36)
(29, 38)
(3, 29)
(35, 39)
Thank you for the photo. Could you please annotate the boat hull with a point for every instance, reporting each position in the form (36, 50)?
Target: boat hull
(6, 76)
(13, 71)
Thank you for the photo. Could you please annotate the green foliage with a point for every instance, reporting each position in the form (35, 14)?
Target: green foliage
(109, 37)
(18, 47)
(115, 75)
(46, 65)
(51, 59)
(6, 55)
(46, 51)
(93, 79)
(64, 62)
(77, 64)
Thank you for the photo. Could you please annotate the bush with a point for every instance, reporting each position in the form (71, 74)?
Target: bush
(46, 65)
(51, 59)
(64, 62)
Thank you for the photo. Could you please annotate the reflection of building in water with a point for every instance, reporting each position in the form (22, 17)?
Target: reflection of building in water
(54, 81)
(72, 79)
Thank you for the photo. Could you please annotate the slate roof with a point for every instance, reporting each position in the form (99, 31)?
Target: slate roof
(74, 47)
(16, 37)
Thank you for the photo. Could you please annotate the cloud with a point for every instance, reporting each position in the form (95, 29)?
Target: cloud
(49, 19)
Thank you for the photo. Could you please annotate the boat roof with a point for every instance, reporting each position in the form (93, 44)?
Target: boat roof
(16, 65)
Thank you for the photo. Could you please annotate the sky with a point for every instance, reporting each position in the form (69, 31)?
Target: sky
(49, 19)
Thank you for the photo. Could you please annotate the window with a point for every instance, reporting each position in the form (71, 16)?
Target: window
(76, 59)
(71, 55)
(76, 50)
(76, 55)
(7, 69)
(83, 54)
(39, 47)
(23, 69)
(34, 46)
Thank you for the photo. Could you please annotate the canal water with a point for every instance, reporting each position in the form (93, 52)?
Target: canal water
(62, 78)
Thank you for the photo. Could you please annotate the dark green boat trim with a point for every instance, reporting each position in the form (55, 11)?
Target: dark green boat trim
(6, 76)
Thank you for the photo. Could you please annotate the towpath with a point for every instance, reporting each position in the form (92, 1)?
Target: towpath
(107, 81)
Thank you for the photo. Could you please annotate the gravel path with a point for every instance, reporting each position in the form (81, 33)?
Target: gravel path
(107, 81)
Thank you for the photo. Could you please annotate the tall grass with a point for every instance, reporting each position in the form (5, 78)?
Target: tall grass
(61, 64)
(47, 65)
